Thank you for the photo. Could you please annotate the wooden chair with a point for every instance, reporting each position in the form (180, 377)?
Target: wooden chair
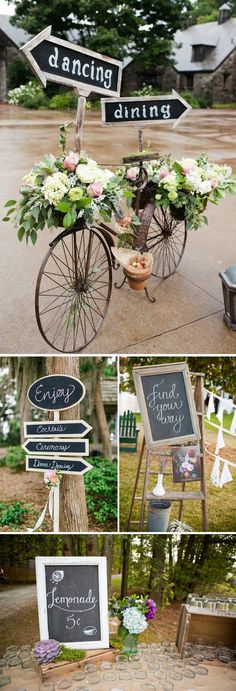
(128, 432)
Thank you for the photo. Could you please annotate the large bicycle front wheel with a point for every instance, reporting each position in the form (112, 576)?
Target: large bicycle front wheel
(73, 290)
(166, 240)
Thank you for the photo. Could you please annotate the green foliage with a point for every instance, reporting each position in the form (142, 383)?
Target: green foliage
(30, 95)
(109, 26)
(101, 489)
(69, 655)
(66, 100)
(12, 514)
(19, 72)
(203, 11)
(13, 437)
(15, 458)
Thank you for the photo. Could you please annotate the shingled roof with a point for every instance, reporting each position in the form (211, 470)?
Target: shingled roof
(17, 36)
(222, 38)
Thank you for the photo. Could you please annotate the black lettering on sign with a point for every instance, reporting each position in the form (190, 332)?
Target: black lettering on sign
(72, 600)
(56, 392)
(167, 404)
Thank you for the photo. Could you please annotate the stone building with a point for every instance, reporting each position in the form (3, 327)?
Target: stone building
(204, 58)
(11, 38)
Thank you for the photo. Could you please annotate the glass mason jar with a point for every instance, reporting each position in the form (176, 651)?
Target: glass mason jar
(15, 668)
(4, 680)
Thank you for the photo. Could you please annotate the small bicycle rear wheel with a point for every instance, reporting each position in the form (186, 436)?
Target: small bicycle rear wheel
(73, 289)
(166, 240)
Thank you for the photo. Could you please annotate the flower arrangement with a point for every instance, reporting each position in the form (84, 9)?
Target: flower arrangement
(46, 651)
(134, 613)
(63, 190)
(52, 478)
(185, 185)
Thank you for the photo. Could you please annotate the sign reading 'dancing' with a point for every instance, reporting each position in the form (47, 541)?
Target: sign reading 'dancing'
(149, 109)
(72, 600)
(65, 465)
(64, 62)
(56, 392)
(166, 404)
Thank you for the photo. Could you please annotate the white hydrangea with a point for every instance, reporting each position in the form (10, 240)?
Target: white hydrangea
(204, 187)
(55, 187)
(90, 172)
(134, 621)
(29, 180)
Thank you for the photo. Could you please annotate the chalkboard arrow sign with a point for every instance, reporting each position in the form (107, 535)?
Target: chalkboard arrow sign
(57, 446)
(147, 109)
(66, 63)
(56, 392)
(64, 429)
(67, 466)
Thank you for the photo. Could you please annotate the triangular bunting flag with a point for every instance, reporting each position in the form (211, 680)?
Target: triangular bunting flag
(225, 475)
(210, 407)
(233, 424)
(220, 411)
(215, 473)
(220, 441)
(229, 405)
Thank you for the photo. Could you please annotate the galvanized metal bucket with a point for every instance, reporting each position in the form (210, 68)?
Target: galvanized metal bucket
(158, 515)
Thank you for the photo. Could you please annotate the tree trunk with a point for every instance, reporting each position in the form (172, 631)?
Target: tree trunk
(108, 547)
(100, 412)
(73, 508)
(156, 576)
(92, 546)
(126, 550)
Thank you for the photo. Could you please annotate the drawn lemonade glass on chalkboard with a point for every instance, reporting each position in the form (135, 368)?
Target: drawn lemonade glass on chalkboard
(72, 601)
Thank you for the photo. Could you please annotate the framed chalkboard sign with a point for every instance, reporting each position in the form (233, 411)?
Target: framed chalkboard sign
(72, 601)
(56, 392)
(166, 403)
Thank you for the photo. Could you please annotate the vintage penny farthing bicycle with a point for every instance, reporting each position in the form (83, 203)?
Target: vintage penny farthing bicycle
(74, 283)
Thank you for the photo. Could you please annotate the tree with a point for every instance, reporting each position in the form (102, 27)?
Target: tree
(126, 552)
(208, 10)
(109, 26)
(157, 569)
(93, 369)
(73, 508)
(24, 370)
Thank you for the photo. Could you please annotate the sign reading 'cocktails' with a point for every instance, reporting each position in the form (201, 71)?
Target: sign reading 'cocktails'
(56, 392)
(72, 600)
(64, 62)
(64, 428)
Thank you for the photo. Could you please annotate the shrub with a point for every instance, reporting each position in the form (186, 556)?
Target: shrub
(13, 437)
(64, 101)
(101, 489)
(14, 459)
(12, 514)
(145, 90)
(191, 99)
(30, 95)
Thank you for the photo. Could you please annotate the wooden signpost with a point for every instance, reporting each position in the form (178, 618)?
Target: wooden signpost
(171, 414)
(72, 601)
(56, 445)
(144, 109)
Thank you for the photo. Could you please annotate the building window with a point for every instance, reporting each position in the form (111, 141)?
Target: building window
(186, 82)
(198, 53)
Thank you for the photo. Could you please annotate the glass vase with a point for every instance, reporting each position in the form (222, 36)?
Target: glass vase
(129, 641)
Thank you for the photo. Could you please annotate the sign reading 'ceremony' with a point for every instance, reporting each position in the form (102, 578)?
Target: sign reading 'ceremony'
(72, 600)
(149, 109)
(166, 403)
(64, 62)
(61, 446)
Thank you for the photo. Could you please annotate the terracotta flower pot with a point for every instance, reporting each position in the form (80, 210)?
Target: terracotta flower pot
(138, 277)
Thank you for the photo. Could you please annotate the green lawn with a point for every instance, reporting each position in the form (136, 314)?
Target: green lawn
(221, 502)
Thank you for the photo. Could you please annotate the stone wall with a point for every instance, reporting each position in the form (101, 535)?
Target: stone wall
(7, 53)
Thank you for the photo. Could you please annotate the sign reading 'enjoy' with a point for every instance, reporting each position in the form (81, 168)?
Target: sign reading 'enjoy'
(56, 392)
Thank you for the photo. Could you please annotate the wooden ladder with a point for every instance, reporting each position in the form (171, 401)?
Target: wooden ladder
(180, 496)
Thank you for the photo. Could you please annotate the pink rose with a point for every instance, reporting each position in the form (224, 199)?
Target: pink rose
(71, 160)
(50, 476)
(164, 172)
(95, 189)
(132, 173)
(214, 183)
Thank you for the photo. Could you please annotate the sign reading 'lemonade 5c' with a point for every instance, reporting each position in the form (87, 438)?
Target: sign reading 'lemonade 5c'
(56, 392)
(72, 600)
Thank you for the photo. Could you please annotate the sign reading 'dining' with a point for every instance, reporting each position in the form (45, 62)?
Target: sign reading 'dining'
(149, 109)
(72, 600)
(64, 62)
(166, 404)
(56, 392)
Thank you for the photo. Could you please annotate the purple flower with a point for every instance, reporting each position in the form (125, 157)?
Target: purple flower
(45, 651)
(151, 609)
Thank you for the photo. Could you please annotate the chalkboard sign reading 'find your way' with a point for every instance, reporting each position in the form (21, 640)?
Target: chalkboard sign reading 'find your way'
(72, 600)
(166, 404)
(56, 392)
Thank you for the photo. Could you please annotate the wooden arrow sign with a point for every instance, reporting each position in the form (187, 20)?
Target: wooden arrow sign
(65, 428)
(67, 466)
(58, 446)
(66, 63)
(151, 109)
